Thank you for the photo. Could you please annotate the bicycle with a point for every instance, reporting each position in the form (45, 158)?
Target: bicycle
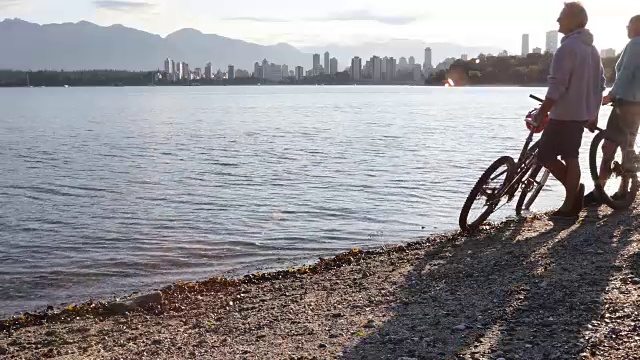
(617, 197)
(494, 188)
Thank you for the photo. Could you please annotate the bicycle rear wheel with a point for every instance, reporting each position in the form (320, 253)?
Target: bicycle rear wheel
(532, 187)
(621, 188)
(488, 187)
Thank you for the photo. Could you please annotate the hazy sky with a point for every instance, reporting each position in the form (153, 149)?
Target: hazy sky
(301, 22)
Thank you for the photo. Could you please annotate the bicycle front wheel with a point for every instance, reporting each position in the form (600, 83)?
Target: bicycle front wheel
(621, 187)
(484, 197)
(531, 189)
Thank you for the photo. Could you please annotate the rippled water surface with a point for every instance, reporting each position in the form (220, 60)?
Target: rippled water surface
(104, 191)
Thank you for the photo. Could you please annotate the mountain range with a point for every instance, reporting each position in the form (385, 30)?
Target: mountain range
(84, 46)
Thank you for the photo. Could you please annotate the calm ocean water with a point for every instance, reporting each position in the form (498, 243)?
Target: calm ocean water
(104, 191)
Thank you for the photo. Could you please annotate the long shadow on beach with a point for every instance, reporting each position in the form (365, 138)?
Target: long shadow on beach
(527, 291)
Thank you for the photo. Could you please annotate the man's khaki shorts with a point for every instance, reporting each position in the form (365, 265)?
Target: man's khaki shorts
(623, 123)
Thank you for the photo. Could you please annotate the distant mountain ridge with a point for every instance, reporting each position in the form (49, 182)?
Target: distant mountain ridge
(84, 46)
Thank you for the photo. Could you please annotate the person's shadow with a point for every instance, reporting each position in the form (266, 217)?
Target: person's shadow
(524, 292)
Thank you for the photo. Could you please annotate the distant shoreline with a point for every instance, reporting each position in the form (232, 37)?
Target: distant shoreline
(270, 84)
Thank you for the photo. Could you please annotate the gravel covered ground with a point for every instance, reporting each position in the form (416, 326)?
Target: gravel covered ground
(528, 289)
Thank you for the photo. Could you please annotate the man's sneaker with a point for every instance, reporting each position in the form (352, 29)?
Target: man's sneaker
(563, 215)
(592, 199)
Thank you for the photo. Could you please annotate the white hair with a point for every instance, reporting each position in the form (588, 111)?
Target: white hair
(578, 12)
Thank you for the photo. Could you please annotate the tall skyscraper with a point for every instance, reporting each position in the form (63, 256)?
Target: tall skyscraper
(265, 68)
(179, 71)
(316, 64)
(231, 72)
(333, 66)
(208, 73)
(257, 70)
(327, 63)
(552, 41)
(391, 69)
(167, 66)
(383, 67)
(285, 71)
(402, 63)
(186, 74)
(299, 73)
(376, 63)
(525, 44)
(428, 61)
(356, 68)
(412, 60)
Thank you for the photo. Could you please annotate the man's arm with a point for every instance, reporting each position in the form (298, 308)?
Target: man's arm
(629, 62)
(593, 123)
(561, 68)
(603, 79)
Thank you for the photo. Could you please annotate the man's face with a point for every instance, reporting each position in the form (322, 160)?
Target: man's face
(565, 22)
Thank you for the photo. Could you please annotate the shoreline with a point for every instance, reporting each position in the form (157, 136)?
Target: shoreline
(271, 85)
(61, 312)
(519, 289)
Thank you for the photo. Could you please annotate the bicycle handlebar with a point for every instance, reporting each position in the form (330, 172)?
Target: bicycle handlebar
(540, 101)
(535, 98)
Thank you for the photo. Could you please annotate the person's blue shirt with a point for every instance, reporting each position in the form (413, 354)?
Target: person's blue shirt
(627, 84)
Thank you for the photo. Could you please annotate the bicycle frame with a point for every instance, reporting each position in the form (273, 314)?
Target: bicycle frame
(523, 165)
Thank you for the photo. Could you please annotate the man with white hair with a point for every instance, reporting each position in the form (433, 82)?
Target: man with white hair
(624, 120)
(576, 83)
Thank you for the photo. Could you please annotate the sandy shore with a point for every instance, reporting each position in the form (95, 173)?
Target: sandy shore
(527, 289)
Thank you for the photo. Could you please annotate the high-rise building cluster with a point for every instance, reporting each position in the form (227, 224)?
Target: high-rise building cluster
(271, 72)
(175, 71)
(387, 69)
(551, 44)
(330, 66)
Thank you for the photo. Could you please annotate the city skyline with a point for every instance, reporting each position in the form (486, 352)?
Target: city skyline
(377, 69)
(376, 20)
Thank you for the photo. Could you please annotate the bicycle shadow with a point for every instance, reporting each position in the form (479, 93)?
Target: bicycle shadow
(527, 291)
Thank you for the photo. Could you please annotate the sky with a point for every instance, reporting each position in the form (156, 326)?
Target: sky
(498, 23)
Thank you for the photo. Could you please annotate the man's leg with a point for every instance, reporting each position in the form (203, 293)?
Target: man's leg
(614, 128)
(572, 184)
(608, 155)
(569, 175)
(558, 169)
